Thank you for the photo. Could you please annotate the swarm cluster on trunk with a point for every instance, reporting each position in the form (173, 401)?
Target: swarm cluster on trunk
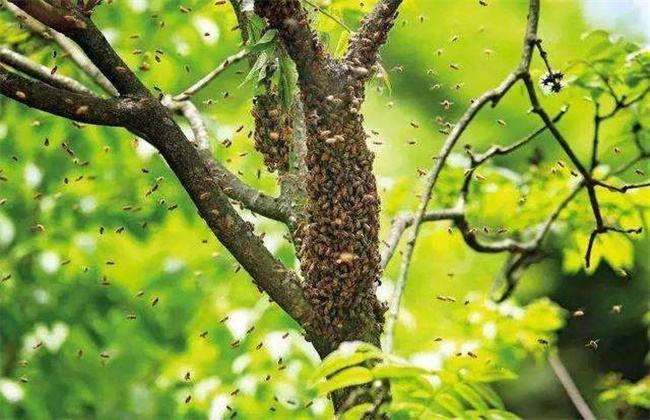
(272, 132)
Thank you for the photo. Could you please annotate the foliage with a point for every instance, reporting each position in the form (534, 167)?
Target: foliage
(453, 380)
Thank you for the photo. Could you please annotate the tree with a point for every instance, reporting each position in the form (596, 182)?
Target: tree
(309, 129)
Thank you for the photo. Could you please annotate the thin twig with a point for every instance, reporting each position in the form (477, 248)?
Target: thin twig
(208, 78)
(41, 72)
(329, 15)
(570, 387)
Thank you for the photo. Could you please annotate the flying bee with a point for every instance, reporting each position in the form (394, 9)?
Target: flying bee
(592, 344)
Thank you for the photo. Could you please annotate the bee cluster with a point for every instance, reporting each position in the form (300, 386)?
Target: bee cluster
(272, 132)
(339, 253)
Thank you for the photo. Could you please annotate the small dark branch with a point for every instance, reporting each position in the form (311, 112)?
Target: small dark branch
(602, 230)
(71, 105)
(40, 72)
(596, 139)
(622, 103)
(478, 160)
(291, 21)
(642, 153)
(372, 35)
(625, 166)
(537, 109)
(543, 55)
(70, 21)
(516, 264)
(590, 246)
(636, 132)
(514, 269)
(622, 189)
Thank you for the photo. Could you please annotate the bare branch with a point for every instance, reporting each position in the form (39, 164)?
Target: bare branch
(504, 150)
(69, 47)
(208, 78)
(492, 96)
(71, 22)
(404, 221)
(570, 387)
(40, 72)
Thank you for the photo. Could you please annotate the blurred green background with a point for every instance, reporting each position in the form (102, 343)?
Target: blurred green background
(67, 345)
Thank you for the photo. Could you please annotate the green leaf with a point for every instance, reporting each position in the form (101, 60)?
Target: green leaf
(342, 44)
(338, 361)
(488, 394)
(265, 41)
(397, 371)
(353, 376)
(471, 396)
(356, 412)
(450, 404)
(501, 415)
(257, 69)
(288, 81)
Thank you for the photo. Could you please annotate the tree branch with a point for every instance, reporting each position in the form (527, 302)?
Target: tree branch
(69, 47)
(232, 186)
(492, 96)
(198, 179)
(75, 106)
(570, 387)
(146, 117)
(364, 45)
(208, 78)
(40, 72)
(71, 22)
